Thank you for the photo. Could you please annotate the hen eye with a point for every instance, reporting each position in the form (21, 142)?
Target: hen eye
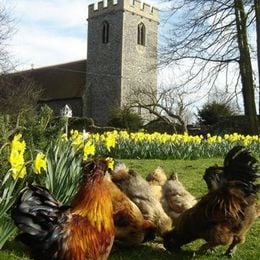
(89, 167)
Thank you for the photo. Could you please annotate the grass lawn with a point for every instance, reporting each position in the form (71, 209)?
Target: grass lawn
(190, 173)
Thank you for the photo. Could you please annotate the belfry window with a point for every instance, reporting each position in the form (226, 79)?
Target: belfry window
(141, 34)
(139, 110)
(105, 32)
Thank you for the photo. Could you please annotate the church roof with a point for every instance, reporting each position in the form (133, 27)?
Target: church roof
(61, 81)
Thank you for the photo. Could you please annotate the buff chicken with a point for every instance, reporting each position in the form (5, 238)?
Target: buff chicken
(156, 180)
(176, 199)
(131, 227)
(139, 191)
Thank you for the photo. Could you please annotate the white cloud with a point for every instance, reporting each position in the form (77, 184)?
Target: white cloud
(48, 31)
(63, 13)
(42, 48)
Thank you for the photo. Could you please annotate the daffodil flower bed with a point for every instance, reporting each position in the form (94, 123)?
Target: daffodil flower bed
(141, 145)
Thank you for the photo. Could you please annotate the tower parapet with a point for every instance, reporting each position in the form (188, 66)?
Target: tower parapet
(135, 6)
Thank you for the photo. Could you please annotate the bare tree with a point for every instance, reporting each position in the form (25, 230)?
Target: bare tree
(170, 105)
(257, 14)
(213, 36)
(222, 96)
(6, 30)
(18, 93)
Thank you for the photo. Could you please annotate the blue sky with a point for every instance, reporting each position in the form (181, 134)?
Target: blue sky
(49, 31)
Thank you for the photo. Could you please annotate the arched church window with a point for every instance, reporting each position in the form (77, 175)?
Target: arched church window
(105, 32)
(141, 34)
(139, 110)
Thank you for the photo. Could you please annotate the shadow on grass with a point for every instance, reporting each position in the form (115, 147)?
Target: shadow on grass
(154, 250)
(149, 251)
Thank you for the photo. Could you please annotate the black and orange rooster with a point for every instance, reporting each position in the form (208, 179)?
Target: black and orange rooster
(226, 213)
(237, 161)
(239, 165)
(85, 230)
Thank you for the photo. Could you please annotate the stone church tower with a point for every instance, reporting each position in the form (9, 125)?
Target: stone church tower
(122, 54)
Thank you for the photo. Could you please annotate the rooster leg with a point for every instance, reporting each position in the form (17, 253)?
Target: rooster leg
(233, 246)
(231, 249)
(206, 247)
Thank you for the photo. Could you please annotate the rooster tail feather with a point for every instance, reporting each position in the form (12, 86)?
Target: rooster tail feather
(233, 154)
(35, 211)
(240, 164)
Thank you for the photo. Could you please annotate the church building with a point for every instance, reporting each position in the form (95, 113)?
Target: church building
(121, 57)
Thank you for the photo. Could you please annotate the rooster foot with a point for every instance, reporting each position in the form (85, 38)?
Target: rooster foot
(205, 248)
(229, 255)
(231, 250)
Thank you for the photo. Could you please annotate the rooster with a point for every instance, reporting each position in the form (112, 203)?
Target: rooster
(176, 199)
(139, 191)
(237, 162)
(234, 165)
(85, 230)
(131, 227)
(225, 214)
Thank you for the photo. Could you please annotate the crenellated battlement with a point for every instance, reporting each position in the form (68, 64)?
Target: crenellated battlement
(135, 6)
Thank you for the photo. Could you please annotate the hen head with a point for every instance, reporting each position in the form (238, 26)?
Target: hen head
(157, 176)
(213, 177)
(170, 241)
(94, 168)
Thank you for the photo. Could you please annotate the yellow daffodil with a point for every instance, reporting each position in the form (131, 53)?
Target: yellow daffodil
(110, 163)
(64, 137)
(88, 150)
(18, 171)
(17, 144)
(110, 142)
(77, 139)
(40, 163)
(16, 157)
(148, 142)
